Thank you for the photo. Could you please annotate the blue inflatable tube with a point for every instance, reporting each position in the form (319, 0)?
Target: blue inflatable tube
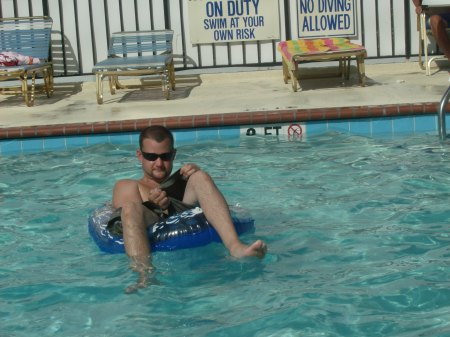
(185, 230)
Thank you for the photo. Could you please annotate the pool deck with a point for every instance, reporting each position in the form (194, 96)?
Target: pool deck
(219, 98)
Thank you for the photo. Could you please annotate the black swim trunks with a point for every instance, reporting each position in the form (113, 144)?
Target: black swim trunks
(174, 186)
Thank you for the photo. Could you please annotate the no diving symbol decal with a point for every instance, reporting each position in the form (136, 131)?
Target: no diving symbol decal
(295, 131)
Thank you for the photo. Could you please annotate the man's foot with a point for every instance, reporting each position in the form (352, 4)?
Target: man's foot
(257, 249)
(142, 266)
(146, 278)
(141, 283)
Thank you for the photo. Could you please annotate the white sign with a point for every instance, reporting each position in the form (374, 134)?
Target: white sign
(320, 18)
(219, 21)
(294, 131)
(435, 3)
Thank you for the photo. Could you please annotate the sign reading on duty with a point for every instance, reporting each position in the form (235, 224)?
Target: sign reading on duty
(319, 18)
(216, 21)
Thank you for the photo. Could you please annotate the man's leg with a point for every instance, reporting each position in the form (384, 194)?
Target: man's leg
(202, 189)
(439, 29)
(135, 218)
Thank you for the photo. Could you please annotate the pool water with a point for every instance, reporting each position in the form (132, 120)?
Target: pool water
(357, 228)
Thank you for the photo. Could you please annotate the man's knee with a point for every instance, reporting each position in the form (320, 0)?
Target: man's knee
(200, 176)
(199, 180)
(437, 21)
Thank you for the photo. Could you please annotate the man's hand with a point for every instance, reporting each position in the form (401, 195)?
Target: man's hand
(418, 4)
(188, 169)
(159, 197)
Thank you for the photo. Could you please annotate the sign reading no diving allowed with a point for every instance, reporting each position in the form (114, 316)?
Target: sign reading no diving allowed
(319, 18)
(219, 21)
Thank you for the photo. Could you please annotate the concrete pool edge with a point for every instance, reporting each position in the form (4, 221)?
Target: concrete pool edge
(222, 119)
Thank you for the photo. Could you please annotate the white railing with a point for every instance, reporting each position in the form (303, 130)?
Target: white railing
(387, 28)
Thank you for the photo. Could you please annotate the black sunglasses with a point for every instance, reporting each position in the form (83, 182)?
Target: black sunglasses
(153, 156)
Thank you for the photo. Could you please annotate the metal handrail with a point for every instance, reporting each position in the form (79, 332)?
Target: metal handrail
(441, 115)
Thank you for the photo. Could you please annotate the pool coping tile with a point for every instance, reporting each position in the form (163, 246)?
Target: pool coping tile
(218, 120)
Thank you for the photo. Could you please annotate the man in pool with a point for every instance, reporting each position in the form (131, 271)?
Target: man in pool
(142, 202)
(439, 24)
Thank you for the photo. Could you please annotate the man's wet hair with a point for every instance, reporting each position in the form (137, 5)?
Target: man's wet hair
(156, 132)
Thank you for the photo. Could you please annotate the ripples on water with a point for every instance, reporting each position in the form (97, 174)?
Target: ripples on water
(357, 230)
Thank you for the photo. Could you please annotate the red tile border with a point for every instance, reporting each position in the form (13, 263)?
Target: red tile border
(391, 109)
(215, 120)
(14, 133)
(230, 119)
(404, 109)
(100, 127)
(316, 115)
(362, 112)
(227, 119)
(379, 111)
(28, 132)
(86, 129)
(200, 120)
(141, 124)
(287, 115)
(303, 115)
(185, 122)
(70, 129)
(332, 113)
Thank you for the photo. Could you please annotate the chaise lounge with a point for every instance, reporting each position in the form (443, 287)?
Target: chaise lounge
(137, 53)
(27, 38)
(294, 52)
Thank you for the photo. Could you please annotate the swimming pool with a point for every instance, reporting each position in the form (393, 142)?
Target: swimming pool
(357, 229)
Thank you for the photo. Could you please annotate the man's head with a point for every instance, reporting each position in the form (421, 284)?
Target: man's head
(157, 133)
(156, 152)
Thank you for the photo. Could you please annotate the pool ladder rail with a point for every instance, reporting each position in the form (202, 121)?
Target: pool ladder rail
(441, 115)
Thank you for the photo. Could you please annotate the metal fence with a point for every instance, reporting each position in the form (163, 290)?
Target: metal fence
(81, 29)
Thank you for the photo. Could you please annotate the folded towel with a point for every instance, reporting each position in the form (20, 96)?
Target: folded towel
(10, 59)
(290, 48)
